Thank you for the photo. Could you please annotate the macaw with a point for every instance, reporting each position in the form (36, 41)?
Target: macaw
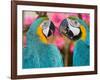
(38, 53)
(78, 31)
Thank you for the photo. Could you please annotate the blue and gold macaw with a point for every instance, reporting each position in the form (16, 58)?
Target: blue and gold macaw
(81, 55)
(78, 31)
(38, 53)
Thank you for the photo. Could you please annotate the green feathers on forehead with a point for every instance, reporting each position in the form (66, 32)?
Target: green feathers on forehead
(73, 17)
(45, 18)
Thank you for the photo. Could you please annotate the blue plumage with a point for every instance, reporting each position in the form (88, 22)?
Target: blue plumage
(81, 55)
(38, 54)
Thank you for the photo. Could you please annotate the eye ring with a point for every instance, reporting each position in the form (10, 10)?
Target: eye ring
(75, 22)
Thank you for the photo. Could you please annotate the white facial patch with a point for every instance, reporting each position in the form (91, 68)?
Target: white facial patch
(73, 23)
(46, 31)
(75, 30)
(46, 26)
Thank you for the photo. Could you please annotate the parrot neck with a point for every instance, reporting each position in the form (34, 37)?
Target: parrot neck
(40, 34)
(85, 32)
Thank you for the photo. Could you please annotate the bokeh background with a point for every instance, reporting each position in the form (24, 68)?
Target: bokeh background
(56, 17)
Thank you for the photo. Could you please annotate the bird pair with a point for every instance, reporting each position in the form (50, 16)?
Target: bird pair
(69, 27)
(75, 29)
(40, 55)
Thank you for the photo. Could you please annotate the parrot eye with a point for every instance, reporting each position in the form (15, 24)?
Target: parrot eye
(76, 24)
(45, 24)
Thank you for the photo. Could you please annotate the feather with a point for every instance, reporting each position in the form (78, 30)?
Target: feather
(81, 56)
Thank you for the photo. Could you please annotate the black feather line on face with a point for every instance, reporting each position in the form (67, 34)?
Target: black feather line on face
(51, 29)
(52, 26)
(49, 33)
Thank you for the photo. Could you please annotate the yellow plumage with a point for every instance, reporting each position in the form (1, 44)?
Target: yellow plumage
(40, 34)
(83, 37)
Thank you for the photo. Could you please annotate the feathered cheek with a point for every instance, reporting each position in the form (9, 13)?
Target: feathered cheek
(83, 36)
(41, 36)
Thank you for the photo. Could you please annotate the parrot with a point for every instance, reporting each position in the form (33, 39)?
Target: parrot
(78, 31)
(38, 53)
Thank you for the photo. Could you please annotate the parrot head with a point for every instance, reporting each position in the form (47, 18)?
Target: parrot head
(72, 28)
(45, 29)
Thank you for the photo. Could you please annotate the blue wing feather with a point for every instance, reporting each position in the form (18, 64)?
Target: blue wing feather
(81, 55)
